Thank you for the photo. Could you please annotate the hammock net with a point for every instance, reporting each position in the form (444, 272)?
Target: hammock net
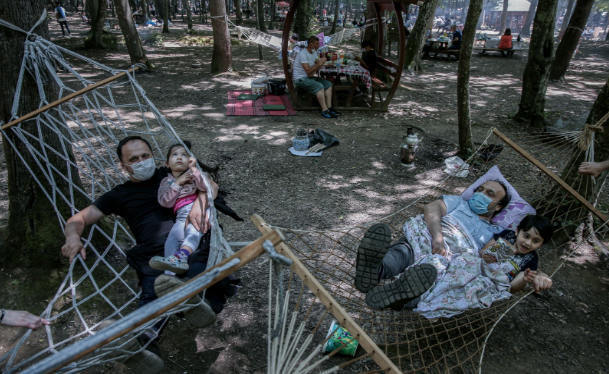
(70, 149)
(413, 343)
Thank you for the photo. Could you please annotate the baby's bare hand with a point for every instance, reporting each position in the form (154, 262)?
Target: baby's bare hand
(192, 163)
(184, 178)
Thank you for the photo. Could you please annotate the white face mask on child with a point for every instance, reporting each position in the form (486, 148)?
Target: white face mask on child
(143, 170)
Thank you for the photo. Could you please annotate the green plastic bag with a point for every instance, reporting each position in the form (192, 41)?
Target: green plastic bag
(339, 337)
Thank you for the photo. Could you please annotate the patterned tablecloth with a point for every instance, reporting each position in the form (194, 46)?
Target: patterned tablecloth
(352, 71)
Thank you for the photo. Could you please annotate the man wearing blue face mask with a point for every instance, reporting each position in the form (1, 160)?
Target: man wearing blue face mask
(377, 259)
(137, 202)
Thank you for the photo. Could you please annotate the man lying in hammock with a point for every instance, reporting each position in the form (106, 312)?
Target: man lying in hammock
(450, 232)
(137, 202)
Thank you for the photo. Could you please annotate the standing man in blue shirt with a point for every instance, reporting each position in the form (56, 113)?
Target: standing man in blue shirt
(60, 14)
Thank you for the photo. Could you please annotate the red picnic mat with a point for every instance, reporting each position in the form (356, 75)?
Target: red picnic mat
(254, 107)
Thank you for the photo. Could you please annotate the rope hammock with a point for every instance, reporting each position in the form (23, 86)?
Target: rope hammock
(70, 154)
(406, 342)
(318, 287)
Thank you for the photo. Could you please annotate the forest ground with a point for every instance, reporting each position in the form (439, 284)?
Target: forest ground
(563, 330)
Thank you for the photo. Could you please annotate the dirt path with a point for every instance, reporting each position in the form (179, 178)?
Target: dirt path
(564, 330)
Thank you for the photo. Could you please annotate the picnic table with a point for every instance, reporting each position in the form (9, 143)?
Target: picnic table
(440, 46)
(356, 72)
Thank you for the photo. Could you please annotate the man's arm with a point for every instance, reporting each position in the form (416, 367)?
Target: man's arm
(593, 168)
(311, 70)
(74, 228)
(433, 214)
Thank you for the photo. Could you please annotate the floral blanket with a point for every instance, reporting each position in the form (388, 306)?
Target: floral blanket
(464, 280)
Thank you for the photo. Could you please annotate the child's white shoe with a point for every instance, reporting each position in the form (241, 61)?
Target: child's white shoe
(171, 263)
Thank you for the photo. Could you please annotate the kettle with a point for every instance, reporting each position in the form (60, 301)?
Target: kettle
(408, 148)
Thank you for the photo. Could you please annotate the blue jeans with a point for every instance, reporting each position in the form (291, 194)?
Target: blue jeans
(62, 24)
(398, 258)
(179, 237)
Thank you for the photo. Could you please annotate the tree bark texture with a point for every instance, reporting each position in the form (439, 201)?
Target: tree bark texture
(132, 38)
(97, 25)
(414, 47)
(502, 25)
(188, 14)
(566, 19)
(221, 58)
(599, 109)
(238, 13)
(34, 235)
(537, 70)
(260, 15)
(91, 9)
(145, 11)
(526, 28)
(463, 103)
(336, 9)
(302, 19)
(165, 6)
(370, 33)
(273, 12)
(568, 44)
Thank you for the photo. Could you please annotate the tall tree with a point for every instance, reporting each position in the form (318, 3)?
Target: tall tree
(302, 19)
(504, 13)
(526, 28)
(370, 32)
(145, 12)
(537, 70)
(132, 38)
(165, 6)
(238, 13)
(568, 44)
(336, 12)
(414, 47)
(186, 4)
(221, 58)
(97, 25)
(33, 233)
(566, 18)
(260, 15)
(463, 103)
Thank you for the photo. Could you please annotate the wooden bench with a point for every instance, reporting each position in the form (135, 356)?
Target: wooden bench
(445, 51)
(510, 52)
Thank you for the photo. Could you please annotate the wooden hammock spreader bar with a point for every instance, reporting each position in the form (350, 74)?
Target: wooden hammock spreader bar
(332, 305)
(152, 310)
(66, 98)
(550, 174)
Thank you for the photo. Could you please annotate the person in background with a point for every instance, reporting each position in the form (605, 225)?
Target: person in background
(427, 45)
(60, 15)
(506, 43)
(369, 57)
(457, 37)
(21, 319)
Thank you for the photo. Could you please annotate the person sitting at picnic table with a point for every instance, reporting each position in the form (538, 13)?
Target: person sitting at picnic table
(457, 37)
(84, 19)
(506, 43)
(306, 66)
(427, 45)
(369, 57)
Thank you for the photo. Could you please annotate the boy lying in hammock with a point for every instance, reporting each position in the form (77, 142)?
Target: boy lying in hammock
(451, 231)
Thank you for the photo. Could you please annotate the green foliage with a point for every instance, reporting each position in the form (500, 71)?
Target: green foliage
(158, 40)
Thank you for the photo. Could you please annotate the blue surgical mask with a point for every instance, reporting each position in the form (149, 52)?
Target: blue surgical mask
(479, 203)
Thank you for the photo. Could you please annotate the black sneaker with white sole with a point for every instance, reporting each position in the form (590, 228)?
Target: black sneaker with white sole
(412, 283)
(370, 254)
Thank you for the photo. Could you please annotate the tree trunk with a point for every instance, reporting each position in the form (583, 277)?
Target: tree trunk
(463, 103)
(260, 15)
(272, 11)
(238, 14)
(132, 38)
(221, 58)
(91, 9)
(526, 28)
(414, 47)
(144, 12)
(33, 233)
(566, 19)
(503, 17)
(97, 26)
(537, 71)
(568, 44)
(165, 6)
(302, 19)
(188, 14)
(336, 10)
(369, 32)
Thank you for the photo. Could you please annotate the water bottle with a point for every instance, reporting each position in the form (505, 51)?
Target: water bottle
(518, 38)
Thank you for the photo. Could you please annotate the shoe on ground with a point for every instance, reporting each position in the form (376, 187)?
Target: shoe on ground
(334, 111)
(327, 114)
(200, 316)
(171, 263)
(412, 283)
(145, 362)
(370, 254)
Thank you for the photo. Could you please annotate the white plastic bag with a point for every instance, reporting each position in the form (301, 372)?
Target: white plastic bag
(456, 167)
